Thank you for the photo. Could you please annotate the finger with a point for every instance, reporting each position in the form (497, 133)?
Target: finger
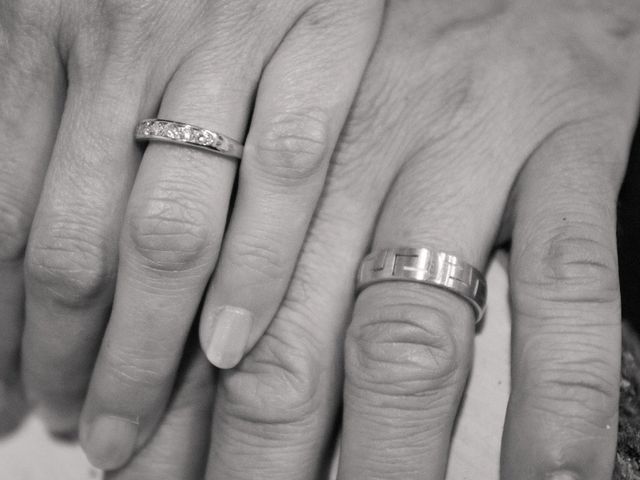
(169, 245)
(32, 82)
(168, 248)
(409, 347)
(275, 412)
(179, 447)
(298, 115)
(562, 414)
(71, 256)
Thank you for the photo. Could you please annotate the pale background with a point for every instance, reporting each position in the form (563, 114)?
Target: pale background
(31, 455)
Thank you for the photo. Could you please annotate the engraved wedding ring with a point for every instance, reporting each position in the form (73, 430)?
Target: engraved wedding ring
(429, 267)
(180, 133)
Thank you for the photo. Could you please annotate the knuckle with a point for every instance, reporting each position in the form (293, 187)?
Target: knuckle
(569, 264)
(169, 233)
(14, 232)
(277, 384)
(585, 389)
(294, 146)
(72, 263)
(404, 351)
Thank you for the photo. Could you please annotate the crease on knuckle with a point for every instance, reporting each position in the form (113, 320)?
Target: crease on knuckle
(406, 351)
(261, 256)
(294, 147)
(170, 233)
(14, 232)
(278, 385)
(571, 265)
(73, 263)
(578, 391)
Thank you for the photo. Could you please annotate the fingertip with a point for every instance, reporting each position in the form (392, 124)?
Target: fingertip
(13, 408)
(60, 425)
(224, 335)
(109, 442)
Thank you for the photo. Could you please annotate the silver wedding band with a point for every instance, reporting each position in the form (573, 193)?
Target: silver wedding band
(428, 267)
(156, 129)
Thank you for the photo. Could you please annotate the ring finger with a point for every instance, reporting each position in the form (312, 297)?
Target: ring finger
(409, 347)
(168, 247)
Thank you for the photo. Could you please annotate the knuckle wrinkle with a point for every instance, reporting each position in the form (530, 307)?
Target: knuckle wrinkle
(277, 385)
(73, 264)
(571, 265)
(406, 351)
(294, 146)
(170, 234)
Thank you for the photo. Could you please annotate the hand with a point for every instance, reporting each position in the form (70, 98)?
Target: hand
(293, 67)
(475, 124)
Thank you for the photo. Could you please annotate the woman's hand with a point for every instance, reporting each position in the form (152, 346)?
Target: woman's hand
(477, 123)
(77, 78)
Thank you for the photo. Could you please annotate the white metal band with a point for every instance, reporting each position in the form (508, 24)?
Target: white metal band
(427, 266)
(180, 133)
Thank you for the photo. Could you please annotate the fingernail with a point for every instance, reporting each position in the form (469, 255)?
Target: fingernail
(12, 408)
(65, 437)
(110, 442)
(58, 424)
(230, 331)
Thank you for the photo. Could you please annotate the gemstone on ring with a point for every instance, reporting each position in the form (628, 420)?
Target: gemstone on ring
(189, 135)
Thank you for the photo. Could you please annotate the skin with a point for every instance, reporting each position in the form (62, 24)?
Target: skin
(96, 231)
(475, 124)
(82, 204)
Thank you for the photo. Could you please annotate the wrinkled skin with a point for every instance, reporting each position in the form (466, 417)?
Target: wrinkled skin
(108, 235)
(475, 124)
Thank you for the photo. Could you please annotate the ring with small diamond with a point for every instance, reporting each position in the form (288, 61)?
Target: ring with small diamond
(180, 133)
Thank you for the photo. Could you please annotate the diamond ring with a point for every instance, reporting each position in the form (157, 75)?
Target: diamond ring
(188, 135)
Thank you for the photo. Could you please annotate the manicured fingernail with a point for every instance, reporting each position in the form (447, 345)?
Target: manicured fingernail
(58, 424)
(230, 331)
(110, 441)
